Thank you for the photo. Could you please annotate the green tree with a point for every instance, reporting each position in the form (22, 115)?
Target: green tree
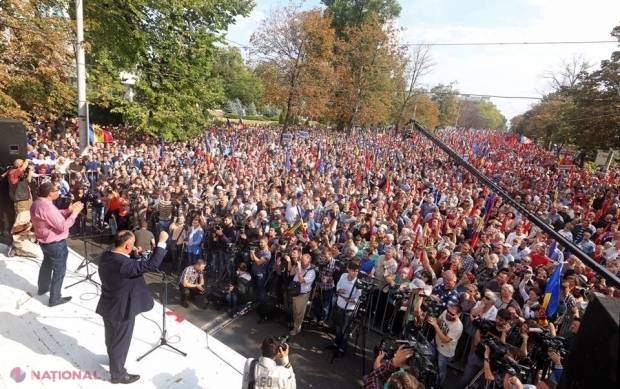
(170, 47)
(352, 13)
(596, 114)
(238, 79)
(366, 65)
(445, 96)
(293, 49)
(36, 60)
(492, 116)
(583, 111)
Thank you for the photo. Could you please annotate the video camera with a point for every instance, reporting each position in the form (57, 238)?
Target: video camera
(432, 307)
(365, 284)
(420, 362)
(548, 343)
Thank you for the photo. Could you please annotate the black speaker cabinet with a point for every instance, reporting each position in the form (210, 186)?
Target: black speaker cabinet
(13, 141)
(593, 362)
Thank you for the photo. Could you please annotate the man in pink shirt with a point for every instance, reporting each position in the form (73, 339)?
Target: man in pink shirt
(51, 227)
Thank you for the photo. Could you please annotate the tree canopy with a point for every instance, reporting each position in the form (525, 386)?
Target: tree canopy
(583, 111)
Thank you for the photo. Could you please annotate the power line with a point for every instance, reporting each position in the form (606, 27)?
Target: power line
(510, 43)
(540, 43)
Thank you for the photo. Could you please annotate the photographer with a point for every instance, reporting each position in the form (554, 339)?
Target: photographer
(239, 290)
(300, 287)
(510, 379)
(490, 332)
(384, 371)
(260, 265)
(19, 178)
(271, 370)
(322, 305)
(348, 295)
(221, 238)
(448, 329)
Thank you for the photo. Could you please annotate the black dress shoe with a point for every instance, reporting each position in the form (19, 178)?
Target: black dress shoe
(61, 301)
(126, 379)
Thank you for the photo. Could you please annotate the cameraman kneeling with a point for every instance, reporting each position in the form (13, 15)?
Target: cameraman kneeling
(272, 370)
(384, 372)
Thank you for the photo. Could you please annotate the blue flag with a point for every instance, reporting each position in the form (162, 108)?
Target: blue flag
(551, 300)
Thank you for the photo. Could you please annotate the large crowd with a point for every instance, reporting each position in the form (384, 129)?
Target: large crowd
(279, 217)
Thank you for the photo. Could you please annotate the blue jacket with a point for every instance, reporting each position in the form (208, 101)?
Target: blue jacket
(124, 293)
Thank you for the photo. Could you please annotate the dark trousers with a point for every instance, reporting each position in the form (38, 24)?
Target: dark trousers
(189, 293)
(117, 340)
(220, 261)
(53, 268)
(261, 286)
(342, 319)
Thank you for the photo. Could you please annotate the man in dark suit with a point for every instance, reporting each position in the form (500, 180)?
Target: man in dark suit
(124, 295)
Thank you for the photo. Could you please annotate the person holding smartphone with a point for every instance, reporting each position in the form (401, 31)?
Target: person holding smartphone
(272, 370)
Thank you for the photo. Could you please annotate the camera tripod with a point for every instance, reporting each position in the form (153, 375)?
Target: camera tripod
(476, 381)
(86, 262)
(163, 341)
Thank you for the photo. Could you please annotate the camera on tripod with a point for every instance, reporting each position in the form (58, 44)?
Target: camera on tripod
(364, 284)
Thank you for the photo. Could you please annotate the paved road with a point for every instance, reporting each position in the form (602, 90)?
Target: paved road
(309, 358)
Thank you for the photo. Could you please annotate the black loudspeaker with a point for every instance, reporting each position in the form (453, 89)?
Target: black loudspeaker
(13, 141)
(593, 361)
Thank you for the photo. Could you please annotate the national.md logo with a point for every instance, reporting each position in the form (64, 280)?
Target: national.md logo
(18, 375)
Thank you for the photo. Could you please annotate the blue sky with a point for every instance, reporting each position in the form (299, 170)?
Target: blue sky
(494, 70)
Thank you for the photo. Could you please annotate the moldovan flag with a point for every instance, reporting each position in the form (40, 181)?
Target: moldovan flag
(551, 299)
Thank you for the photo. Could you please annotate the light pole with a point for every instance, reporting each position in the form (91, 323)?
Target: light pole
(80, 60)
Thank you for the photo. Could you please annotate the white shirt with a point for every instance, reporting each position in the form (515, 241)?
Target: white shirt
(347, 286)
(488, 315)
(309, 275)
(269, 375)
(453, 330)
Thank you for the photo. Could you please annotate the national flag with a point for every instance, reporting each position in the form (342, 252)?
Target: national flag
(524, 140)
(551, 299)
(287, 159)
(489, 206)
(99, 136)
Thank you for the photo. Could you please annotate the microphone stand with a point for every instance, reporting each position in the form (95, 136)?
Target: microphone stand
(86, 261)
(162, 340)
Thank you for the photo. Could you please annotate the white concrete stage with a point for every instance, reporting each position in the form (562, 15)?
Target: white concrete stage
(66, 342)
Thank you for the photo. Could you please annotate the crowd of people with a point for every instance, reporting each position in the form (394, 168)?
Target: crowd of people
(287, 219)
